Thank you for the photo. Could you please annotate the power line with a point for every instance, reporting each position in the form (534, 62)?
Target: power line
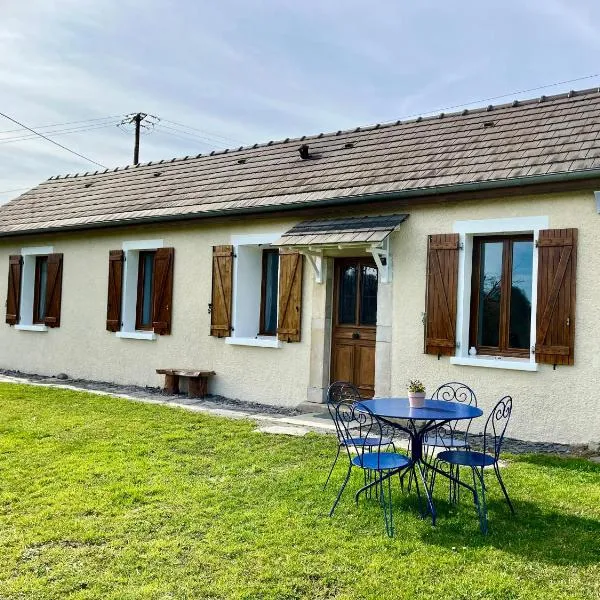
(161, 129)
(491, 98)
(38, 127)
(51, 140)
(55, 133)
(191, 135)
(206, 133)
(15, 190)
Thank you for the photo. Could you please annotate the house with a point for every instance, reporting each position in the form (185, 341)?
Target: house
(458, 247)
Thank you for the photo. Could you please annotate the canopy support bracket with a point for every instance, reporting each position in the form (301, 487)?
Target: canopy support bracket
(383, 259)
(315, 258)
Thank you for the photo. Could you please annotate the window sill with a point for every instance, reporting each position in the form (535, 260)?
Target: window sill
(504, 362)
(40, 328)
(260, 342)
(137, 335)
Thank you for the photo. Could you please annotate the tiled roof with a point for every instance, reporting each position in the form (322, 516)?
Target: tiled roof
(548, 136)
(341, 231)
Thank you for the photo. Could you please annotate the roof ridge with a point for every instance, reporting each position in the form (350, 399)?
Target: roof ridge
(425, 117)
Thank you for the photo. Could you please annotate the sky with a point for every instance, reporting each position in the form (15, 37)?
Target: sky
(226, 73)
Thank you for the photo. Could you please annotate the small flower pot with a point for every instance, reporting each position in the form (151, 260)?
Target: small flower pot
(416, 399)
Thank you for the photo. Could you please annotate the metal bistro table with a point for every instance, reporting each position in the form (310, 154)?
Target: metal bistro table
(421, 421)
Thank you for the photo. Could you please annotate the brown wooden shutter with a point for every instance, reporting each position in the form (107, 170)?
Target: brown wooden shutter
(222, 284)
(115, 290)
(54, 290)
(555, 330)
(290, 296)
(13, 296)
(162, 290)
(441, 295)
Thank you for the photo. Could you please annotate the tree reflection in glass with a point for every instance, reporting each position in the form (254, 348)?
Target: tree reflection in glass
(490, 296)
(520, 295)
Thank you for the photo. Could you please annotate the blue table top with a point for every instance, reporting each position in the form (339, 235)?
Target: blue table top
(434, 410)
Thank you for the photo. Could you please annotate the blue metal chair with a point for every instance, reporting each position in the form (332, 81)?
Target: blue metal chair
(347, 393)
(449, 436)
(369, 453)
(493, 436)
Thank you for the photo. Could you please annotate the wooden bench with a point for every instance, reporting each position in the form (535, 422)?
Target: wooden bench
(197, 381)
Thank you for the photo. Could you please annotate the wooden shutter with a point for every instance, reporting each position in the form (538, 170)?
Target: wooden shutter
(162, 290)
(222, 283)
(13, 295)
(441, 295)
(115, 290)
(290, 295)
(54, 290)
(555, 330)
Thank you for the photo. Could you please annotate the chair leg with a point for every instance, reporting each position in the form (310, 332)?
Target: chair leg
(499, 478)
(386, 504)
(480, 502)
(341, 491)
(333, 465)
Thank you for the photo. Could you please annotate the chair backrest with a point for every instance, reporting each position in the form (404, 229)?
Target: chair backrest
(495, 426)
(340, 392)
(454, 391)
(352, 418)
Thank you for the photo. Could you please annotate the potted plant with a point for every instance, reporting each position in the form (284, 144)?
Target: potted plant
(416, 393)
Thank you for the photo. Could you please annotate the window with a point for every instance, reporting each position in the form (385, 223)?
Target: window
(246, 291)
(39, 290)
(34, 289)
(144, 316)
(140, 290)
(357, 296)
(501, 295)
(269, 286)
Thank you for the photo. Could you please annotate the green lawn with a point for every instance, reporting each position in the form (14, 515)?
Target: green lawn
(105, 498)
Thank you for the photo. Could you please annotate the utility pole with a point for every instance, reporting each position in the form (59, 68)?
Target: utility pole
(138, 120)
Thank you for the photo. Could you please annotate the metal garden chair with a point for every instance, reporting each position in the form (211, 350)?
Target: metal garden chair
(344, 392)
(369, 454)
(449, 436)
(493, 436)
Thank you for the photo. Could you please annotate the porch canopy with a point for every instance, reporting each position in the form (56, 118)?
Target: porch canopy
(312, 238)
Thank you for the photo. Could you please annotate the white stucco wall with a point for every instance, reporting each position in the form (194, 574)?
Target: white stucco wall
(559, 405)
(549, 405)
(82, 347)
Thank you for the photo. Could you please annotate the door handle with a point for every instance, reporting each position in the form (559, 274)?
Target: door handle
(356, 335)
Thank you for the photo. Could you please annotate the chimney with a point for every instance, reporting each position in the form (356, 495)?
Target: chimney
(304, 152)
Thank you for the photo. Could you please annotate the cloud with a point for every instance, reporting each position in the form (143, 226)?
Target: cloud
(262, 70)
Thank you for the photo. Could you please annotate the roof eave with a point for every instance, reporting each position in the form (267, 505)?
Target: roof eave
(328, 202)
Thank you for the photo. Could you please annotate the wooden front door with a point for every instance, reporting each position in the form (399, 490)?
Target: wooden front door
(354, 323)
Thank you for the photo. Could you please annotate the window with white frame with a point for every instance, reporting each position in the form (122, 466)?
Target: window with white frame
(138, 286)
(33, 295)
(255, 290)
(497, 296)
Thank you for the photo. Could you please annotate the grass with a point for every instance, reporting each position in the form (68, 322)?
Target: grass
(105, 498)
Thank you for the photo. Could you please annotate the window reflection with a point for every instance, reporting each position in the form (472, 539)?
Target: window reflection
(368, 295)
(490, 283)
(347, 295)
(520, 295)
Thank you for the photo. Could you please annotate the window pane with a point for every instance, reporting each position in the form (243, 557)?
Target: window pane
(490, 282)
(148, 266)
(520, 295)
(347, 299)
(368, 295)
(270, 301)
(41, 293)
